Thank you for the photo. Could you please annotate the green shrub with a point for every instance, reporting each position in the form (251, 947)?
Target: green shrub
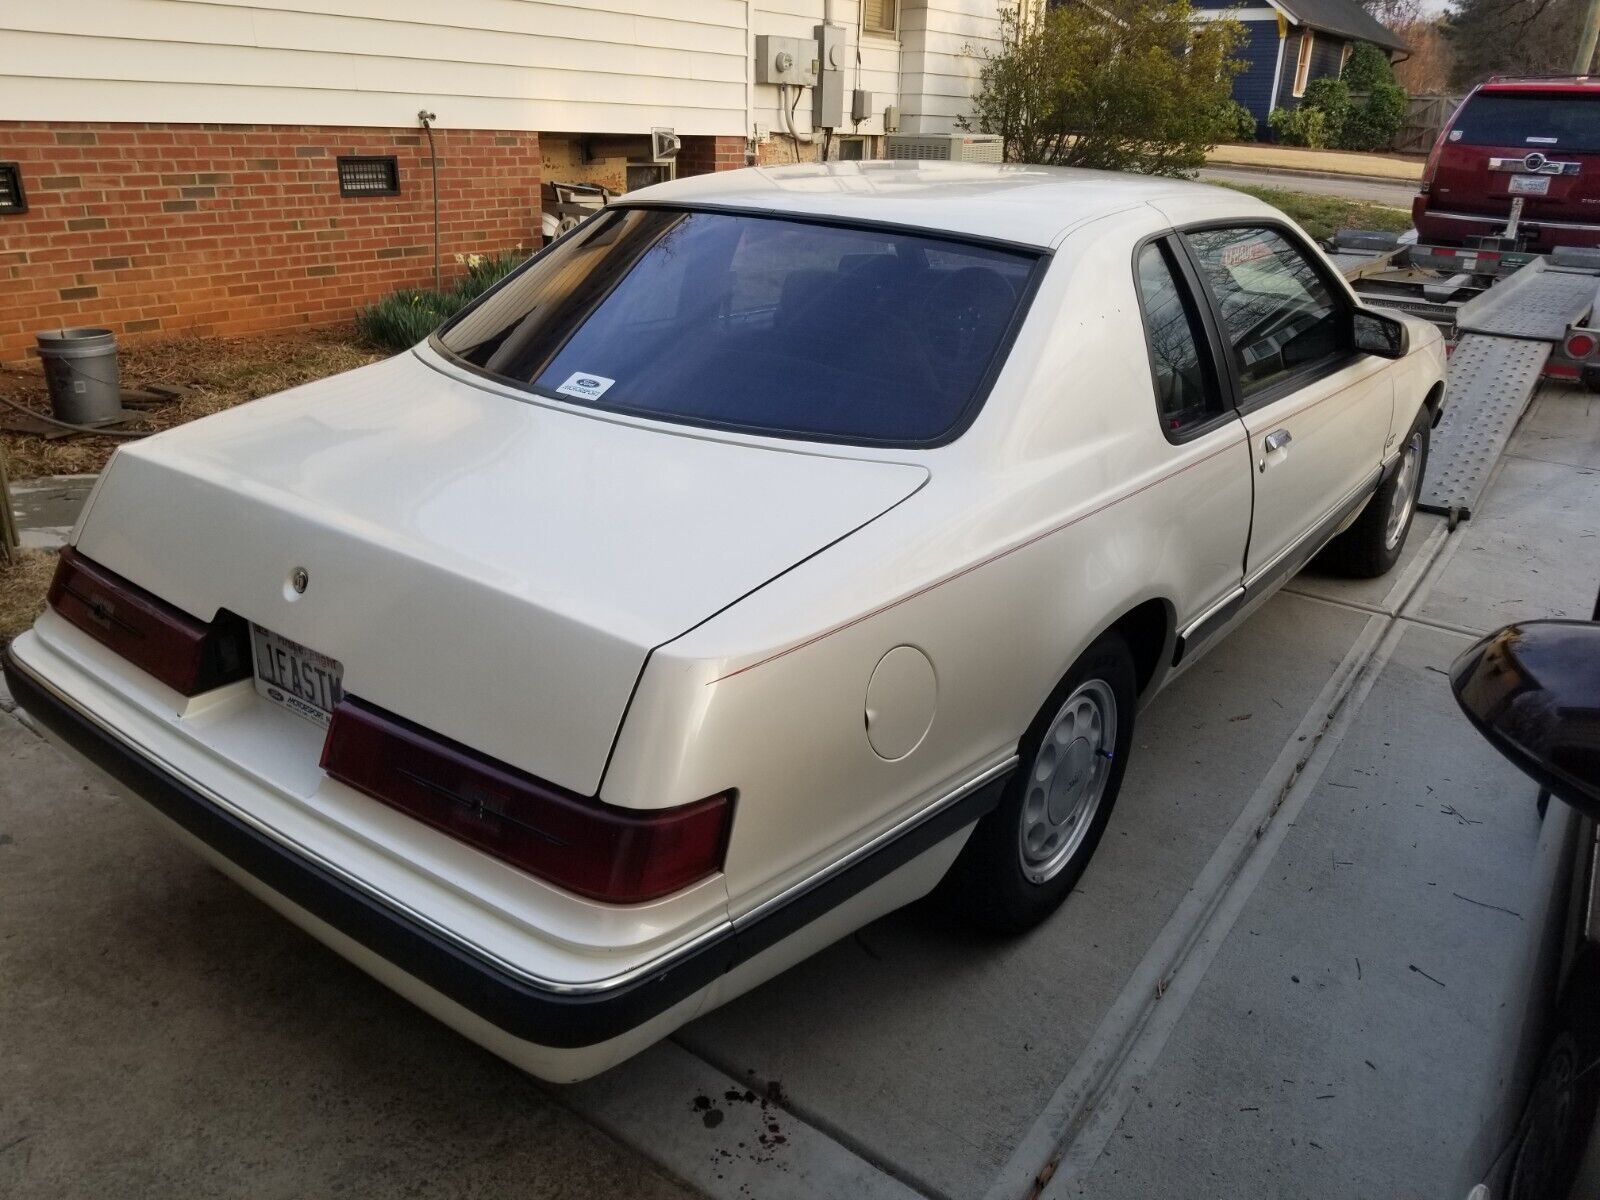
(1300, 126)
(1372, 122)
(486, 270)
(1331, 97)
(402, 319)
(1367, 68)
(1131, 87)
(1236, 123)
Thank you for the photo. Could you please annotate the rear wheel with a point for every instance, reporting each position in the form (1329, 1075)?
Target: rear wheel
(1372, 545)
(1024, 858)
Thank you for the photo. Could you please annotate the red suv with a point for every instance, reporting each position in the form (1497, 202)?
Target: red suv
(1534, 138)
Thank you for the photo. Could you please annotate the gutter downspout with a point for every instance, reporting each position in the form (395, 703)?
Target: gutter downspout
(1277, 71)
(750, 150)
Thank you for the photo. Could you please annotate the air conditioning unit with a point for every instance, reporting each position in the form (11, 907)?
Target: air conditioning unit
(946, 147)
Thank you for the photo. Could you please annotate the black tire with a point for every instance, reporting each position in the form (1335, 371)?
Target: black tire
(989, 884)
(1364, 551)
(1554, 1131)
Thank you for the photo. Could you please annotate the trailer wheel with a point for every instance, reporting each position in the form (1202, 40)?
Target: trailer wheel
(1372, 545)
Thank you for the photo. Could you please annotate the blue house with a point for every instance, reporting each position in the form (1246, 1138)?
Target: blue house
(1289, 43)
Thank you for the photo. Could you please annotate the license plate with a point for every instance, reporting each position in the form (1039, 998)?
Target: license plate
(301, 680)
(1530, 185)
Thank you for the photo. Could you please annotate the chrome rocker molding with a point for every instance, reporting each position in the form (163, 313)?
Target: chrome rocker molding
(564, 1016)
(1288, 561)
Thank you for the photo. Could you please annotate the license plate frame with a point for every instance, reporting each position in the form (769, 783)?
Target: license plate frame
(1529, 185)
(305, 681)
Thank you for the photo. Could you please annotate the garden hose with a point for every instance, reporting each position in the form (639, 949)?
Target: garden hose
(112, 433)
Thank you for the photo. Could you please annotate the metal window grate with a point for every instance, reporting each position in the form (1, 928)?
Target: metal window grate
(360, 175)
(12, 199)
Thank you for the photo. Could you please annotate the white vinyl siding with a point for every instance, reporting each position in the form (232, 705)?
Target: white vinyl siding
(488, 64)
(555, 66)
(942, 44)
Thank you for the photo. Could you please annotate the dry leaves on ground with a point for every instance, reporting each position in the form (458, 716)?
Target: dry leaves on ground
(23, 584)
(217, 373)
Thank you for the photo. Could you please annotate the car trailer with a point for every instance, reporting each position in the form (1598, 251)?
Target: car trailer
(1510, 318)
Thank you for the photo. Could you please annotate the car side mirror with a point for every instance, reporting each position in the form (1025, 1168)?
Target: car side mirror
(1384, 336)
(1533, 690)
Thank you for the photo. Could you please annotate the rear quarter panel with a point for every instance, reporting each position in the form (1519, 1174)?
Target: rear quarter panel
(1052, 516)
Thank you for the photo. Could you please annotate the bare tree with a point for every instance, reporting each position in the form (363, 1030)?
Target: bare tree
(1513, 37)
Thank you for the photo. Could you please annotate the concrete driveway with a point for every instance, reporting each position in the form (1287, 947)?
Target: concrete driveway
(1307, 960)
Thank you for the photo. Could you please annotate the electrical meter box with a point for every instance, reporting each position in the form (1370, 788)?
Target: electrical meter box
(789, 60)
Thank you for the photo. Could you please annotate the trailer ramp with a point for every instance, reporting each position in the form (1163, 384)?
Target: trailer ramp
(1491, 381)
(1507, 334)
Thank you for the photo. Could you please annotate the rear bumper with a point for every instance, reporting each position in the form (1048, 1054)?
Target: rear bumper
(525, 1010)
(1434, 225)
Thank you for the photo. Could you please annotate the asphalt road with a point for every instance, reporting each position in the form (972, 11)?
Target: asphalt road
(1377, 191)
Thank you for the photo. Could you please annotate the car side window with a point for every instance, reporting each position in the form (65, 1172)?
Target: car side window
(1278, 313)
(1187, 393)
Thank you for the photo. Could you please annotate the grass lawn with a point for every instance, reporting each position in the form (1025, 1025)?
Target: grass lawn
(1322, 216)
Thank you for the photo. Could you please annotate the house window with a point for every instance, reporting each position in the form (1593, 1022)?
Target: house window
(11, 198)
(1302, 67)
(362, 175)
(852, 149)
(880, 16)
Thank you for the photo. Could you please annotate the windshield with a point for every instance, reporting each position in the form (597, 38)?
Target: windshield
(1534, 120)
(755, 323)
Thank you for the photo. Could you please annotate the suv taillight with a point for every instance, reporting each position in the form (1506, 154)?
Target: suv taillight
(188, 655)
(620, 855)
(1432, 165)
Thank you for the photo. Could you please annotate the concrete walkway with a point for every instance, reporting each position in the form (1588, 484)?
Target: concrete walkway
(1305, 961)
(47, 508)
(1327, 162)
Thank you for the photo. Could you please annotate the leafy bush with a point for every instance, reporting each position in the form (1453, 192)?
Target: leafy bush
(1236, 123)
(1300, 126)
(1372, 123)
(1122, 85)
(402, 319)
(1367, 67)
(1331, 97)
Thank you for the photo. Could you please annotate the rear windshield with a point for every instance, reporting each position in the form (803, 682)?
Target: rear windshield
(754, 323)
(1532, 120)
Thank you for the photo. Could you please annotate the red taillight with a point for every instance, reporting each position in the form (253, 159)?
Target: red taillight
(1579, 345)
(617, 854)
(188, 655)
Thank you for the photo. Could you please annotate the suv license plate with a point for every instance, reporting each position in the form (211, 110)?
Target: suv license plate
(298, 678)
(1530, 185)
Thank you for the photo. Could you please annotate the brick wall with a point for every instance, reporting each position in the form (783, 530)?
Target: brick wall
(159, 229)
(703, 155)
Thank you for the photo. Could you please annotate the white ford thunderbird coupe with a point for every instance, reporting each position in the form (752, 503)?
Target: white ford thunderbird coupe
(772, 547)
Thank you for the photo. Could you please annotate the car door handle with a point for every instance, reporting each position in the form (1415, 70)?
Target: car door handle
(1277, 440)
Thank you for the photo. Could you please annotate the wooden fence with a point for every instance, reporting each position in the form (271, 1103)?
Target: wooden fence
(1425, 117)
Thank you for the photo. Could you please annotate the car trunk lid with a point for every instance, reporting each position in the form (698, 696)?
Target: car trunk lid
(493, 569)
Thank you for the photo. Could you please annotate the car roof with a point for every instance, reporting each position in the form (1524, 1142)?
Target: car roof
(1013, 202)
(1553, 85)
